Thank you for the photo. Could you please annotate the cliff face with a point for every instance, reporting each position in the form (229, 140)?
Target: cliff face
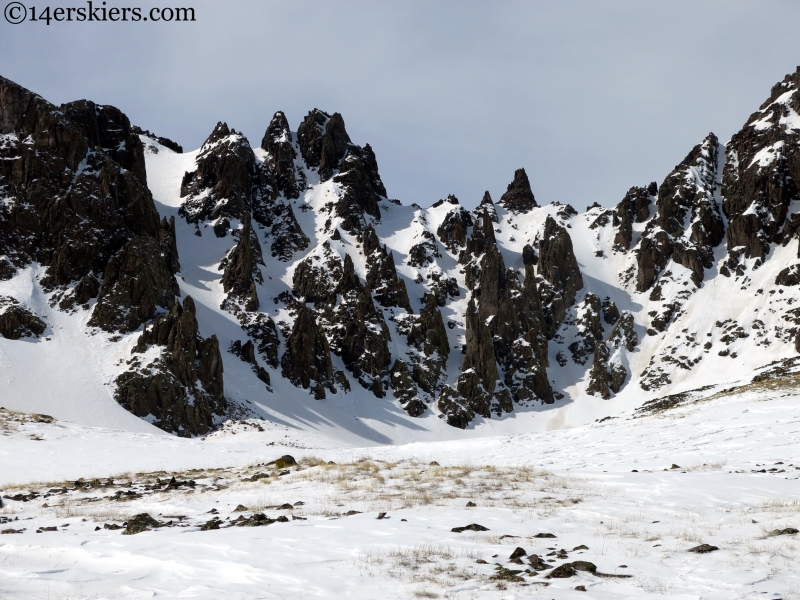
(291, 259)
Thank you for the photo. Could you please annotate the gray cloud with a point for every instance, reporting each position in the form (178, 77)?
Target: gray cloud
(589, 97)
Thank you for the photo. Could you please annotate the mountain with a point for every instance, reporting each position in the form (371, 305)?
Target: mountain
(143, 286)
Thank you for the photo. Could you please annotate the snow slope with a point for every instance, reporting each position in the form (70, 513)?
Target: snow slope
(578, 484)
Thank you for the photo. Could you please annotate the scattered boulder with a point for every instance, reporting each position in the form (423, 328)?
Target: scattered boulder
(139, 523)
(470, 527)
(785, 531)
(703, 549)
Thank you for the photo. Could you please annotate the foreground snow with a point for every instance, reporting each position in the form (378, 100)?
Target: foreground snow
(578, 484)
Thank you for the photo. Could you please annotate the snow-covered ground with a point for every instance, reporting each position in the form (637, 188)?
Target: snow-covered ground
(602, 485)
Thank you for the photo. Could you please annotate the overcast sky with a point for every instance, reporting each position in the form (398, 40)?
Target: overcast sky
(589, 97)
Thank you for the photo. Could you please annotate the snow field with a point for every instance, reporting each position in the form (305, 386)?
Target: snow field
(577, 484)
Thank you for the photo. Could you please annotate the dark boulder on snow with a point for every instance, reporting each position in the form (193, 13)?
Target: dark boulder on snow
(519, 196)
(182, 389)
(17, 321)
(790, 276)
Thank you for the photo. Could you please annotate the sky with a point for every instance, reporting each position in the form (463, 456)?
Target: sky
(590, 98)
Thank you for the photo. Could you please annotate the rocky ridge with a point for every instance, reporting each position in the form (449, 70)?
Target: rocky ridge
(462, 314)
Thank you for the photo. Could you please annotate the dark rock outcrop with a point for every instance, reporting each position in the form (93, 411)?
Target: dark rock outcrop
(307, 361)
(107, 128)
(241, 272)
(487, 206)
(518, 197)
(453, 230)
(362, 188)
(609, 372)
(183, 388)
(424, 252)
(166, 142)
(247, 352)
(634, 208)
(761, 175)
(17, 321)
(525, 359)
(688, 222)
(323, 141)
(475, 387)
(137, 281)
(562, 276)
(405, 390)
(789, 276)
(316, 278)
(278, 142)
(359, 333)
(388, 288)
(221, 186)
(428, 337)
(72, 204)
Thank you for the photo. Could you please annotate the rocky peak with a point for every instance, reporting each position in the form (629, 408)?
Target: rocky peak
(688, 224)
(278, 142)
(453, 230)
(221, 186)
(107, 128)
(24, 114)
(323, 141)
(761, 174)
(518, 196)
(362, 190)
(482, 237)
(487, 206)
